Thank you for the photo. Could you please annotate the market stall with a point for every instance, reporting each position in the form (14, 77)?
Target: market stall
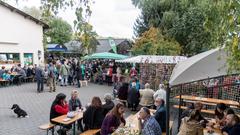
(154, 69)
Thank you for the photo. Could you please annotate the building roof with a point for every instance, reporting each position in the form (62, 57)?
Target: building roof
(13, 9)
(73, 45)
(104, 45)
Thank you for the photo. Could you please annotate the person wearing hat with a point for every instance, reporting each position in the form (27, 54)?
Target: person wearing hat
(59, 107)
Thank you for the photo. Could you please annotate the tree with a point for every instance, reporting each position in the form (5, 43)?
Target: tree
(152, 42)
(33, 11)
(60, 31)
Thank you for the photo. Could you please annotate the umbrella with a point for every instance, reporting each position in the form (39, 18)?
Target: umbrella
(105, 55)
(208, 64)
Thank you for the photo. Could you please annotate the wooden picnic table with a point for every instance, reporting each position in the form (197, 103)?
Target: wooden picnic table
(132, 121)
(64, 120)
(209, 100)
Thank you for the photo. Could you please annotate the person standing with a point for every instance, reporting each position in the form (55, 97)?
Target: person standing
(161, 92)
(146, 96)
(64, 72)
(39, 75)
(51, 77)
(78, 74)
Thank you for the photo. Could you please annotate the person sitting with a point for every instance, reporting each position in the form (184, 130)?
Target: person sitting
(160, 114)
(6, 76)
(113, 120)
(93, 116)
(226, 129)
(190, 125)
(74, 102)
(232, 120)
(146, 96)
(2, 71)
(150, 126)
(197, 106)
(109, 103)
(219, 115)
(161, 92)
(75, 105)
(59, 107)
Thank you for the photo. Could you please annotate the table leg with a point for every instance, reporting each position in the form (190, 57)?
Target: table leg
(74, 128)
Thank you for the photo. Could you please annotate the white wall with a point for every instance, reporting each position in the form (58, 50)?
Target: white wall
(26, 35)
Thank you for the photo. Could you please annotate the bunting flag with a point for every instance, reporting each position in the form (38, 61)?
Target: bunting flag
(112, 44)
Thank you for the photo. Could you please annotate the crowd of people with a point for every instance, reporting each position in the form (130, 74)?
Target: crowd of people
(193, 122)
(106, 115)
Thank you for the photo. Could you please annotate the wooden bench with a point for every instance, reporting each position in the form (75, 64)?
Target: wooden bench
(203, 111)
(48, 126)
(85, 82)
(91, 132)
(4, 82)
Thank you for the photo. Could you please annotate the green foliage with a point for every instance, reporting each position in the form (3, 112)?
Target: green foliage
(152, 42)
(189, 31)
(60, 31)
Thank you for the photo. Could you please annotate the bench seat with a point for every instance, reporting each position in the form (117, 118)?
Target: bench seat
(91, 132)
(203, 111)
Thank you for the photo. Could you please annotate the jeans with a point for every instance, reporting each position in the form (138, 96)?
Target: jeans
(64, 80)
(40, 85)
(78, 83)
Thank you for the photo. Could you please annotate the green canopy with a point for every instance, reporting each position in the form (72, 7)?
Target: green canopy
(105, 55)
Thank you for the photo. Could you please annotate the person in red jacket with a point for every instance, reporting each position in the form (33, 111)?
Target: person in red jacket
(59, 107)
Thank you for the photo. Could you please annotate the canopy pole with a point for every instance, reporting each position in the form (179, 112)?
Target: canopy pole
(167, 110)
(180, 110)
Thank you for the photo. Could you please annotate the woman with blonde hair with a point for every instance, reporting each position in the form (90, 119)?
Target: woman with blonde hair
(74, 102)
(75, 105)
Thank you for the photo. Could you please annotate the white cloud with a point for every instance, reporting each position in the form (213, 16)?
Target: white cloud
(113, 18)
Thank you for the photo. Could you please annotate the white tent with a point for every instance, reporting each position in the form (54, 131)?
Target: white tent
(153, 59)
(208, 64)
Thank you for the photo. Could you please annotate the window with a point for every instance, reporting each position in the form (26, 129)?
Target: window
(9, 58)
(28, 58)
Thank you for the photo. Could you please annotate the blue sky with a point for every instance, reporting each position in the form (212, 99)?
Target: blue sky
(113, 18)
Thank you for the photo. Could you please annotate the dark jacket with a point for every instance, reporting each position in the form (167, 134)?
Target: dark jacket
(123, 92)
(39, 73)
(133, 96)
(74, 103)
(107, 107)
(78, 73)
(235, 130)
(160, 116)
(93, 118)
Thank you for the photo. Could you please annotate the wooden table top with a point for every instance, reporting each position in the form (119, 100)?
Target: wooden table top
(61, 119)
(132, 121)
(209, 100)
(216, 132)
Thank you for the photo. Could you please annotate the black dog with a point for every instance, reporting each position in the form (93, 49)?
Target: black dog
(18, 111)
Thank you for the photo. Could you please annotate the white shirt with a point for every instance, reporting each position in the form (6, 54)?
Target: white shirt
(160, 93)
